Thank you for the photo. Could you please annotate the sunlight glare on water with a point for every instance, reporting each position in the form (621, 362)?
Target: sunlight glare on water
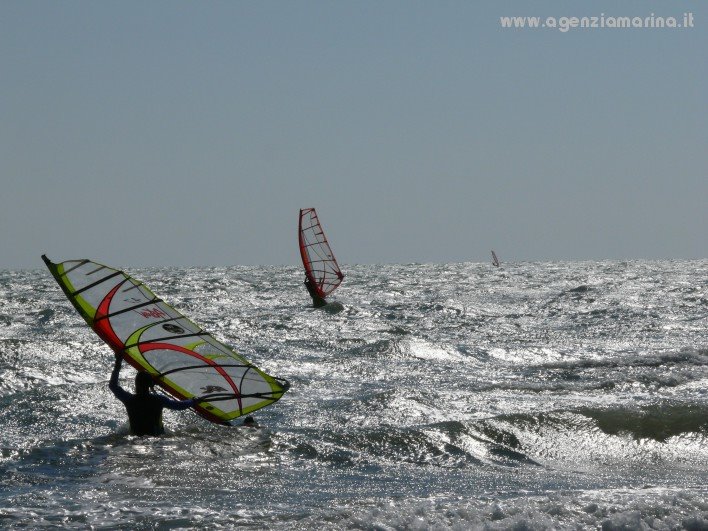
(534, 395)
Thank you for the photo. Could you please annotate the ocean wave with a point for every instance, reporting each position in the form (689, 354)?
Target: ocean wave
(685, 356)
(608, 510)
(657, 422)
(669, 438)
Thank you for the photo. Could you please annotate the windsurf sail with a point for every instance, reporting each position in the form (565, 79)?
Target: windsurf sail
(153, 337)
(495, 260)
(321, 267)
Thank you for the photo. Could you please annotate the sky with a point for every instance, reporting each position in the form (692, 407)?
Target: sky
(185, 133)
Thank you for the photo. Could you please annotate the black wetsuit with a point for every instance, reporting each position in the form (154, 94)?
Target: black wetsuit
(317, 301)
(145, 411)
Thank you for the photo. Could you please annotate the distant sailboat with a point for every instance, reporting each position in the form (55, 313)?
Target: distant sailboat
(495, 260)
(322, 272)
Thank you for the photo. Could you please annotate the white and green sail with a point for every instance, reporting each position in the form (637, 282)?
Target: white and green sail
(152, 336)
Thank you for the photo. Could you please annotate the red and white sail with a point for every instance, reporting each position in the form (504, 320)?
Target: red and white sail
(320, 265)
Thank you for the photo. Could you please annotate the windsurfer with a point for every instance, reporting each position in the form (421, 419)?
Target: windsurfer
(144, 408)
(321, 268)
(317, 301)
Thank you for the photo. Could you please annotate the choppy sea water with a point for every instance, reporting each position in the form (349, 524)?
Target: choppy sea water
(532, 396)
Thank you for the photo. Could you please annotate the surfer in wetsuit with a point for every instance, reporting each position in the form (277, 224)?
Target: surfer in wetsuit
(144, 408)
(317, 301)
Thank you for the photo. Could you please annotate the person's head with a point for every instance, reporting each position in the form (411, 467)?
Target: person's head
(143, 383)
(249, 421)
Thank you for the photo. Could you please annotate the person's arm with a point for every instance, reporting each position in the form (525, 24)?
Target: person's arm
(120, 393)
(178, 405)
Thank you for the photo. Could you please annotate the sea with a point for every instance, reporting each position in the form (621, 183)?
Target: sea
(531, 396)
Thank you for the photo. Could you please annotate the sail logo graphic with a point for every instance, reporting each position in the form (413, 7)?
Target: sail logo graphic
(212, 388)
(155, 313)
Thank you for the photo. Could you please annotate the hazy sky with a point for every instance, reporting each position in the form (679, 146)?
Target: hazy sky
(191, 133)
